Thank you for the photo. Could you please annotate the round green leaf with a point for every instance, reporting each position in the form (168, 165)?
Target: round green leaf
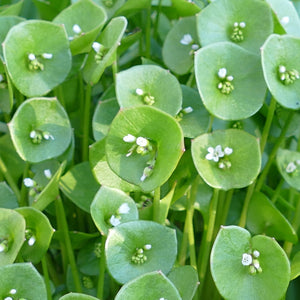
(12, 234)
(280, 51)
(89, 17)
(136, 85)
(288, 163)
(37, 38)
(76, 296)
(38, 234)
(7, 197)
(158, 244)
(221, 16)
(150, 286)
(24, 279)
(178, 55)
(148, 123)
(111, 207)
(187, 8)
(270, 282)
(245, 68)
(264, 218)
(42, 115)
(236, 170)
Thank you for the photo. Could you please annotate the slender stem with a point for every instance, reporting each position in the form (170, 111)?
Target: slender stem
(115, 70)
(157, 19)
(10, 87)
(156, 205)
(148, 32)
(211, 121)
(86, 123)
(67, 241)
(100, 289)
(191, 78)
(24, 192)
(46, 278)
(249, 194)
(277, 191)
(226, 206)
(59, 94)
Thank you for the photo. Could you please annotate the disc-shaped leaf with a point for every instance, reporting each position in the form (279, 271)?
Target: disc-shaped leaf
(83, 20)
(253, 18)
(7, 197)
(38, 234)
(288, 163)
(149, 85)
(178, 54)
(233, 170)
(44, 118)
(139, 288)
(77, 296)
(278, 59)
(156, 245)
(43, 61)
(228, 265)
(244, 71)
(163, 134)
(80, 186)
(264, 218)
(12, 233)
(112, 207)
(21, 281)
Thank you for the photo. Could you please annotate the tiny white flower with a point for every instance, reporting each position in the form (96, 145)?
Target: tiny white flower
(8, 298)
(1, 78)
(31, 56)
(235, 24)
(143, 177)
(284, 20)
(147, 246)
(47, 173)
(76, 28)
(242, 24)
(256, 253)
(291, 167)
(139, 92)
(140, 141)
(220, 85)
(228, 151)
(214, 153)
(246, 259)
(186, 39)
(221, 165)
(282, 69)
(47, 136)
(47, 55)
(129, 138)
(222, 73)
(31, 241)
(229, 78)
(256, 264)
(96, 46)
(32, 134)
(124, 209)
(188, 109)
(13, 291)
(2, 247)
(195, 47)
(28, 182)
(114, 221)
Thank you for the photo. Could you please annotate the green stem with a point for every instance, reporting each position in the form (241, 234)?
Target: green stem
(46, 278)
(277, 191)
(24, 191)
(156, 205)
(86, 123)
(59, 94)
(100, 289)
(211, 121)
(191, 78)
(10, 87)
(67, 241)
(249, 194)
(157, 19)
(148, 32)
(115, 70)
(226, 206)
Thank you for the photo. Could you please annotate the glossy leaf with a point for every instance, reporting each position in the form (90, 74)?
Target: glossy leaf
(236, 170)
(243, 101)
(125, 240)
(7, 197)
(37, 38)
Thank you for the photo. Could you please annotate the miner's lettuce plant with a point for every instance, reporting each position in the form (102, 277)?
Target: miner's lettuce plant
(149, 149)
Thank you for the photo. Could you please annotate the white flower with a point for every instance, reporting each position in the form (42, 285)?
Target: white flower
(144, 176)
(13, 291)
(256, 264)
(28, 182)
(114, 221)
(228, 151)
(31, 241)
(186, 39)
(284, 20)
(214, 153)
(8, 298)
(47, 55)
(229, 78)
(291, 167)
(256, 253)
(47, 136)
(147, 246)
(222, 73)
(31, 56)
(235, 24)
(47, 173)
(2, 248)
(139, 92)
(242, 24)
(76, 28)
(282, 69)
(96, 46)
(195, 47)
(129, 138)
(140, 141)
(246, 259)
(188, 109)
(32, 134)
(124, 208)
(221, 165)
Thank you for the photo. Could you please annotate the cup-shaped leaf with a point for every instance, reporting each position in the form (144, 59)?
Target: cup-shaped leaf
(77, 296)
(227, 159)
(149, 85)
(43, 61)
(112, 207)
(150, 158)
(80, 186)
(258, 266)
(281, 69)
(288, 163)
(12, 234)
(187, 8)
(110, 6)
(245, 22)
(264, 218)
(83, 20)
(180, 45)
(138, 247)
(21, 281)
(104, 50)
(140, 288)
(103, 116)
(12, 9)
(226, 75)
(7, 197)
(40, 129)
(38, 234)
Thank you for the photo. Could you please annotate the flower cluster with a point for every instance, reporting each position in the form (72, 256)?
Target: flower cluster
(250, 259)
(115, 219)
(291, 168)
(139, 256)
(187, 40)
(100, 51)
(30, 237)
(287, 77)
(77, 30)
(37, 136)
(147, 98)
(237, 33)
(184, 111)
(34, 61)
(218, 155)
(225, 85)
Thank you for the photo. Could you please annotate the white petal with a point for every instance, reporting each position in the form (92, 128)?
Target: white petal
(124, 208)
(291, 167)
(140, 141)
(242, 24)
(188, 110)
(13, 291)
(246, 259)
(228, 151)
(31, 241)
(282, 69)
(222, 73)
(31, 56)
(96, 46)
(114, 221)
(147, 246)
(186, 39)
(32, 134)
(28, 182)
(139, 92)
(285, 20)
(76, 28)
(47, 55)
(47, 173)
(209, 156)
(129, 138)
(256, 253)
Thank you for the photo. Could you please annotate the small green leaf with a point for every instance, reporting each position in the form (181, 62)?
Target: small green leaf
(187, 8)
(12, 9)
(76, 296)
(7, 197)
